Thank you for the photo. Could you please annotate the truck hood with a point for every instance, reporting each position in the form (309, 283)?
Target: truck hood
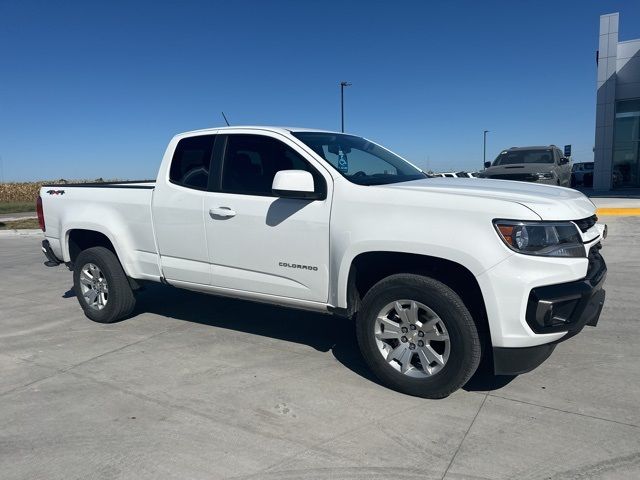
(547, 201)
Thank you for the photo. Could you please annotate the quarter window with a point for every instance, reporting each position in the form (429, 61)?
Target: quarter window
(191, 162)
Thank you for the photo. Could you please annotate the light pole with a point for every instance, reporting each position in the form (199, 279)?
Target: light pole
(484, 149)
(342, 85)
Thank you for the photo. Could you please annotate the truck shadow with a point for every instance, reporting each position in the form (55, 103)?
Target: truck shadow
(325, 333)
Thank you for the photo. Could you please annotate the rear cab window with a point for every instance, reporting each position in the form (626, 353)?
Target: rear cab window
(191, 162)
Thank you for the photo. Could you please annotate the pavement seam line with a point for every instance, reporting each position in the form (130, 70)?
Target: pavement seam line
(171, 405)
(455, 454)
(54, 374)
(59, 371)
(319, 445)
(565, 411)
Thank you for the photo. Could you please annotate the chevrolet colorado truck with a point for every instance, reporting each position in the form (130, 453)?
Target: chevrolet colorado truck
(436, 272)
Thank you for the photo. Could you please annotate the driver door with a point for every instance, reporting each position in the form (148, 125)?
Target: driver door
(258, 242)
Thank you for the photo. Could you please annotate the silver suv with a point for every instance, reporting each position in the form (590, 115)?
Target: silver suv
(530, 164)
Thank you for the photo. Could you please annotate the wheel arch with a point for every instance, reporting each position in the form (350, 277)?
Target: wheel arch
(368, 268)
(79, 239)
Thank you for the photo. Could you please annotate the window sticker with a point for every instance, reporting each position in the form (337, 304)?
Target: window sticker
(343, 162)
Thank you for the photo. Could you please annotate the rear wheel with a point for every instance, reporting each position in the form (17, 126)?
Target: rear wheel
(101, 286)
(417, 336)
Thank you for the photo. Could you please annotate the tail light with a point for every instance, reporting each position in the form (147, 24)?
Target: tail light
(40, 213)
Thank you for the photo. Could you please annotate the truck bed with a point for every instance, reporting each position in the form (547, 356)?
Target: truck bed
(119, 210)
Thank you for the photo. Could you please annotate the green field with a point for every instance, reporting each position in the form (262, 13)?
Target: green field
(17, 207)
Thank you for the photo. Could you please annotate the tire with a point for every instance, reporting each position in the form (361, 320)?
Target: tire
(439, 302)
(117, 297)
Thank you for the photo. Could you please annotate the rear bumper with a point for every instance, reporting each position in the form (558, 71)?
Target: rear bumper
(562, 308)
(523, 177)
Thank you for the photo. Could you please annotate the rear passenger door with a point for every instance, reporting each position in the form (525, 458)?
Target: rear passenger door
(261, 243)
(177, 209)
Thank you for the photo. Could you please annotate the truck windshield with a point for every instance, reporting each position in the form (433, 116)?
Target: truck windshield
(359, 160)
(513, 157)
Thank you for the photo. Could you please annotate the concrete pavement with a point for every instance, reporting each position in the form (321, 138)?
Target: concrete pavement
(194, 386)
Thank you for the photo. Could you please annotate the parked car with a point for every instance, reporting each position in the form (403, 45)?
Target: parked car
(578, 173)
(530, 164)
(431, 270)
(445, 175)
(450, 174)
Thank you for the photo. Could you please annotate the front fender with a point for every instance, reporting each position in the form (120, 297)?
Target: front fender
(465, 259)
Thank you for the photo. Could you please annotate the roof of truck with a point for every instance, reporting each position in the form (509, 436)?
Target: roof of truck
(284, 130)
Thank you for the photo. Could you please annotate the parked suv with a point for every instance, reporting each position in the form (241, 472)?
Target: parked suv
(530, 164)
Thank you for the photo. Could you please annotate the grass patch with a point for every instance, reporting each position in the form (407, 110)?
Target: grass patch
(17, 207)
(17, 224)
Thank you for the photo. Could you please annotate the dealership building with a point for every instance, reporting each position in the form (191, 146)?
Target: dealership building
(617, 139)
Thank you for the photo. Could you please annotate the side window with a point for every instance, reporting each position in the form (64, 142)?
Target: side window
(251, 162)
(191, 162)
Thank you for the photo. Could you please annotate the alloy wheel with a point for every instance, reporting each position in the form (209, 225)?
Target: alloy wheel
(93, 284)
(412, 338)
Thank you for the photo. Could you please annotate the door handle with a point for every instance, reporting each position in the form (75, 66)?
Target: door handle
(224, 212)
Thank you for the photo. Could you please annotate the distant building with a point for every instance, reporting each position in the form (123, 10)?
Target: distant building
(617, 142)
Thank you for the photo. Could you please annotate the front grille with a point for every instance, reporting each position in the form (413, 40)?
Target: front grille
(523, 177)
(586, 223)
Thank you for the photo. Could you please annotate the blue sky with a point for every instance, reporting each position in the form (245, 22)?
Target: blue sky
(96, 89)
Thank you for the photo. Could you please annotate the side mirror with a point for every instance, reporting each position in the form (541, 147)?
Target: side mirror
(564, 160)
(294, 184)
(487, 164)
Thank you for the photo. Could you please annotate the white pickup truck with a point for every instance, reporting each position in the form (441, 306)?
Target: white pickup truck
(437, 272)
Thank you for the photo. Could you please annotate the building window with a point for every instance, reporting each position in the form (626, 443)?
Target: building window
(626, 144)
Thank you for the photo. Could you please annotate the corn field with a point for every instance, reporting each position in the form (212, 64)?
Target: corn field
(19, 192)
(15, 192)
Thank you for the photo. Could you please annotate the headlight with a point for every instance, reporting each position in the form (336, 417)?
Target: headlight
(547, 239)
(545, 175)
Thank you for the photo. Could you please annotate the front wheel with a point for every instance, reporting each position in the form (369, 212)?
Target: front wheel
(417, 336)
(101, 286)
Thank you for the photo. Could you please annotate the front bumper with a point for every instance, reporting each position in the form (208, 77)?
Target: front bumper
(522, 177)
(568, 307)
(562, 308)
